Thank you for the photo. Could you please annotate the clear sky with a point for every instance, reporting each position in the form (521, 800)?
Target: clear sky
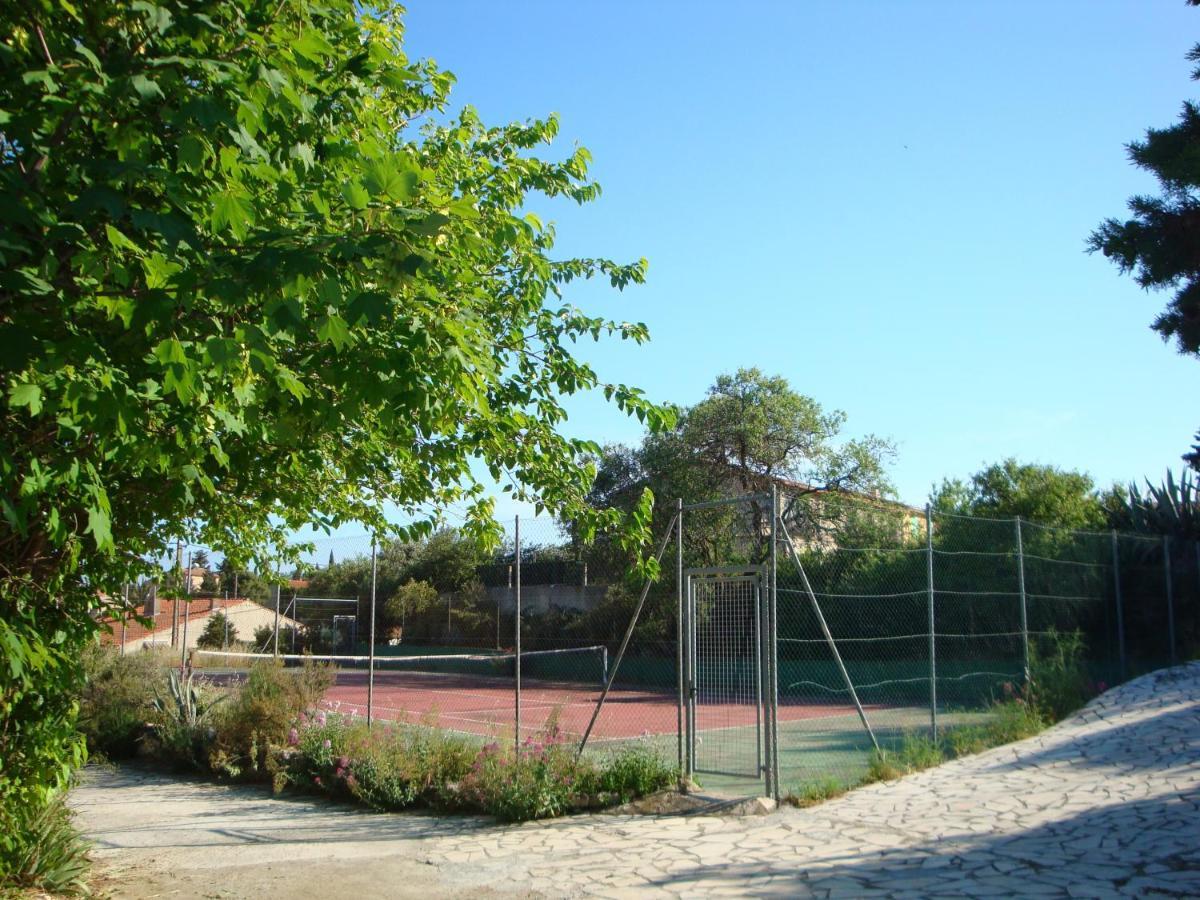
(884, 202)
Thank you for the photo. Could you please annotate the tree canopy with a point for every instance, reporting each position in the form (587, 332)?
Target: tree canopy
(1040, 493)
(254, 274)
(751, 431)
(1159, 244)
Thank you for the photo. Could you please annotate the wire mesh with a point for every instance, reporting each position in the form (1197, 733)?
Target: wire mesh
(890, 623)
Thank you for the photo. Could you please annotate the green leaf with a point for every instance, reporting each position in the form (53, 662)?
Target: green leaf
(100, 527)
(119, 241)
(147, 88)
(191, 153)
(304, 154)
(382, 177)
(29, 395)
(335, 331)
(313, 45)
(356, 195)
(232, 211)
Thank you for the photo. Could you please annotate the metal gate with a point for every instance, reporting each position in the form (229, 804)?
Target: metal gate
(727, 680)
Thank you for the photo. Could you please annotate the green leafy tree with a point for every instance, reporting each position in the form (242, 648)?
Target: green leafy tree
(256, 275)
(750, 432)
(215, 636)
(1042, 494)
(1158, 243)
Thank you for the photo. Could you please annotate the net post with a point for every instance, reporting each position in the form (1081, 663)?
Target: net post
(1116, 558)
(637, 611)
(1024, 610)
(517, 638)
(1166, 548)
(678, 631)
(931, 614)
(371, 645)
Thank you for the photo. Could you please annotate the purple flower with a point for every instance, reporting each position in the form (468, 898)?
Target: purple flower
(293, 738)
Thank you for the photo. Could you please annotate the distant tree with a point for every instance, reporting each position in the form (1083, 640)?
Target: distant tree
(331, 562)
(214, 635)
(1042, 494)
(1159, 243)
(413, 606)
(751, 431)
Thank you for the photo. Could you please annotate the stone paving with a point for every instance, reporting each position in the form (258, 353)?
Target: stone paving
(1104, 804)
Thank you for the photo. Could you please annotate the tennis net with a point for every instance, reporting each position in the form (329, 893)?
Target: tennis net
(586, 666)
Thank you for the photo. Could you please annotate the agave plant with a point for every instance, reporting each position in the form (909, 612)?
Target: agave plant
(1172, 509)
(181, 730)
(186, 707)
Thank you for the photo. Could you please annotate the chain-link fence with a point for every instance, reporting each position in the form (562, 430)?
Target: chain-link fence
(786, 646)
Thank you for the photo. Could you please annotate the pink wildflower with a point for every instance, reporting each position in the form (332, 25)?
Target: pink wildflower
(321, 718)
(328, 743)
(293, 738)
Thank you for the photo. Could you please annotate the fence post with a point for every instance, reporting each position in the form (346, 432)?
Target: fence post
(124, 617)
(275, 635)
(773, 644)
(932, 621)
(225, 615)
(517, 637)
(1166, 545)
(1116, 555)
(678, 628)
(1024, 611)
(371, 645)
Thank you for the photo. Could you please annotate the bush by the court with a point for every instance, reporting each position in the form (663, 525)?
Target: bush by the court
(394, 767)
(260, 713)
(117, 699)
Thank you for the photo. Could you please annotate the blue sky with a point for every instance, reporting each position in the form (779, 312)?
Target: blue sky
(886, 203)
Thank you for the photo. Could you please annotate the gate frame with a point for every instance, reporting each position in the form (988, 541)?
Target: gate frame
(769, 635)
(758, 576)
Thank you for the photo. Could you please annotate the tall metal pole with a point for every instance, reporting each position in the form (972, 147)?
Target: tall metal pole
(1116, 555)
(773, 645)
(679, 627)
(1024, 613)
(275, 636)
(930, 610)
(124, 617)
(225, 614)
(517, 636)
(1166, 545)
(187, 608)
(371, 646)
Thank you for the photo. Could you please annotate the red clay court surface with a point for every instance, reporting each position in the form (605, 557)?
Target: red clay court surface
(484, 706)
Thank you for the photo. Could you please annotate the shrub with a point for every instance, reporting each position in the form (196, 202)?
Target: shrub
(46, 853)
(540, 781)
(262, 711)
(634, 772)
(1059, 682)
(182, 714)
(117, 700)
(218, 632)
